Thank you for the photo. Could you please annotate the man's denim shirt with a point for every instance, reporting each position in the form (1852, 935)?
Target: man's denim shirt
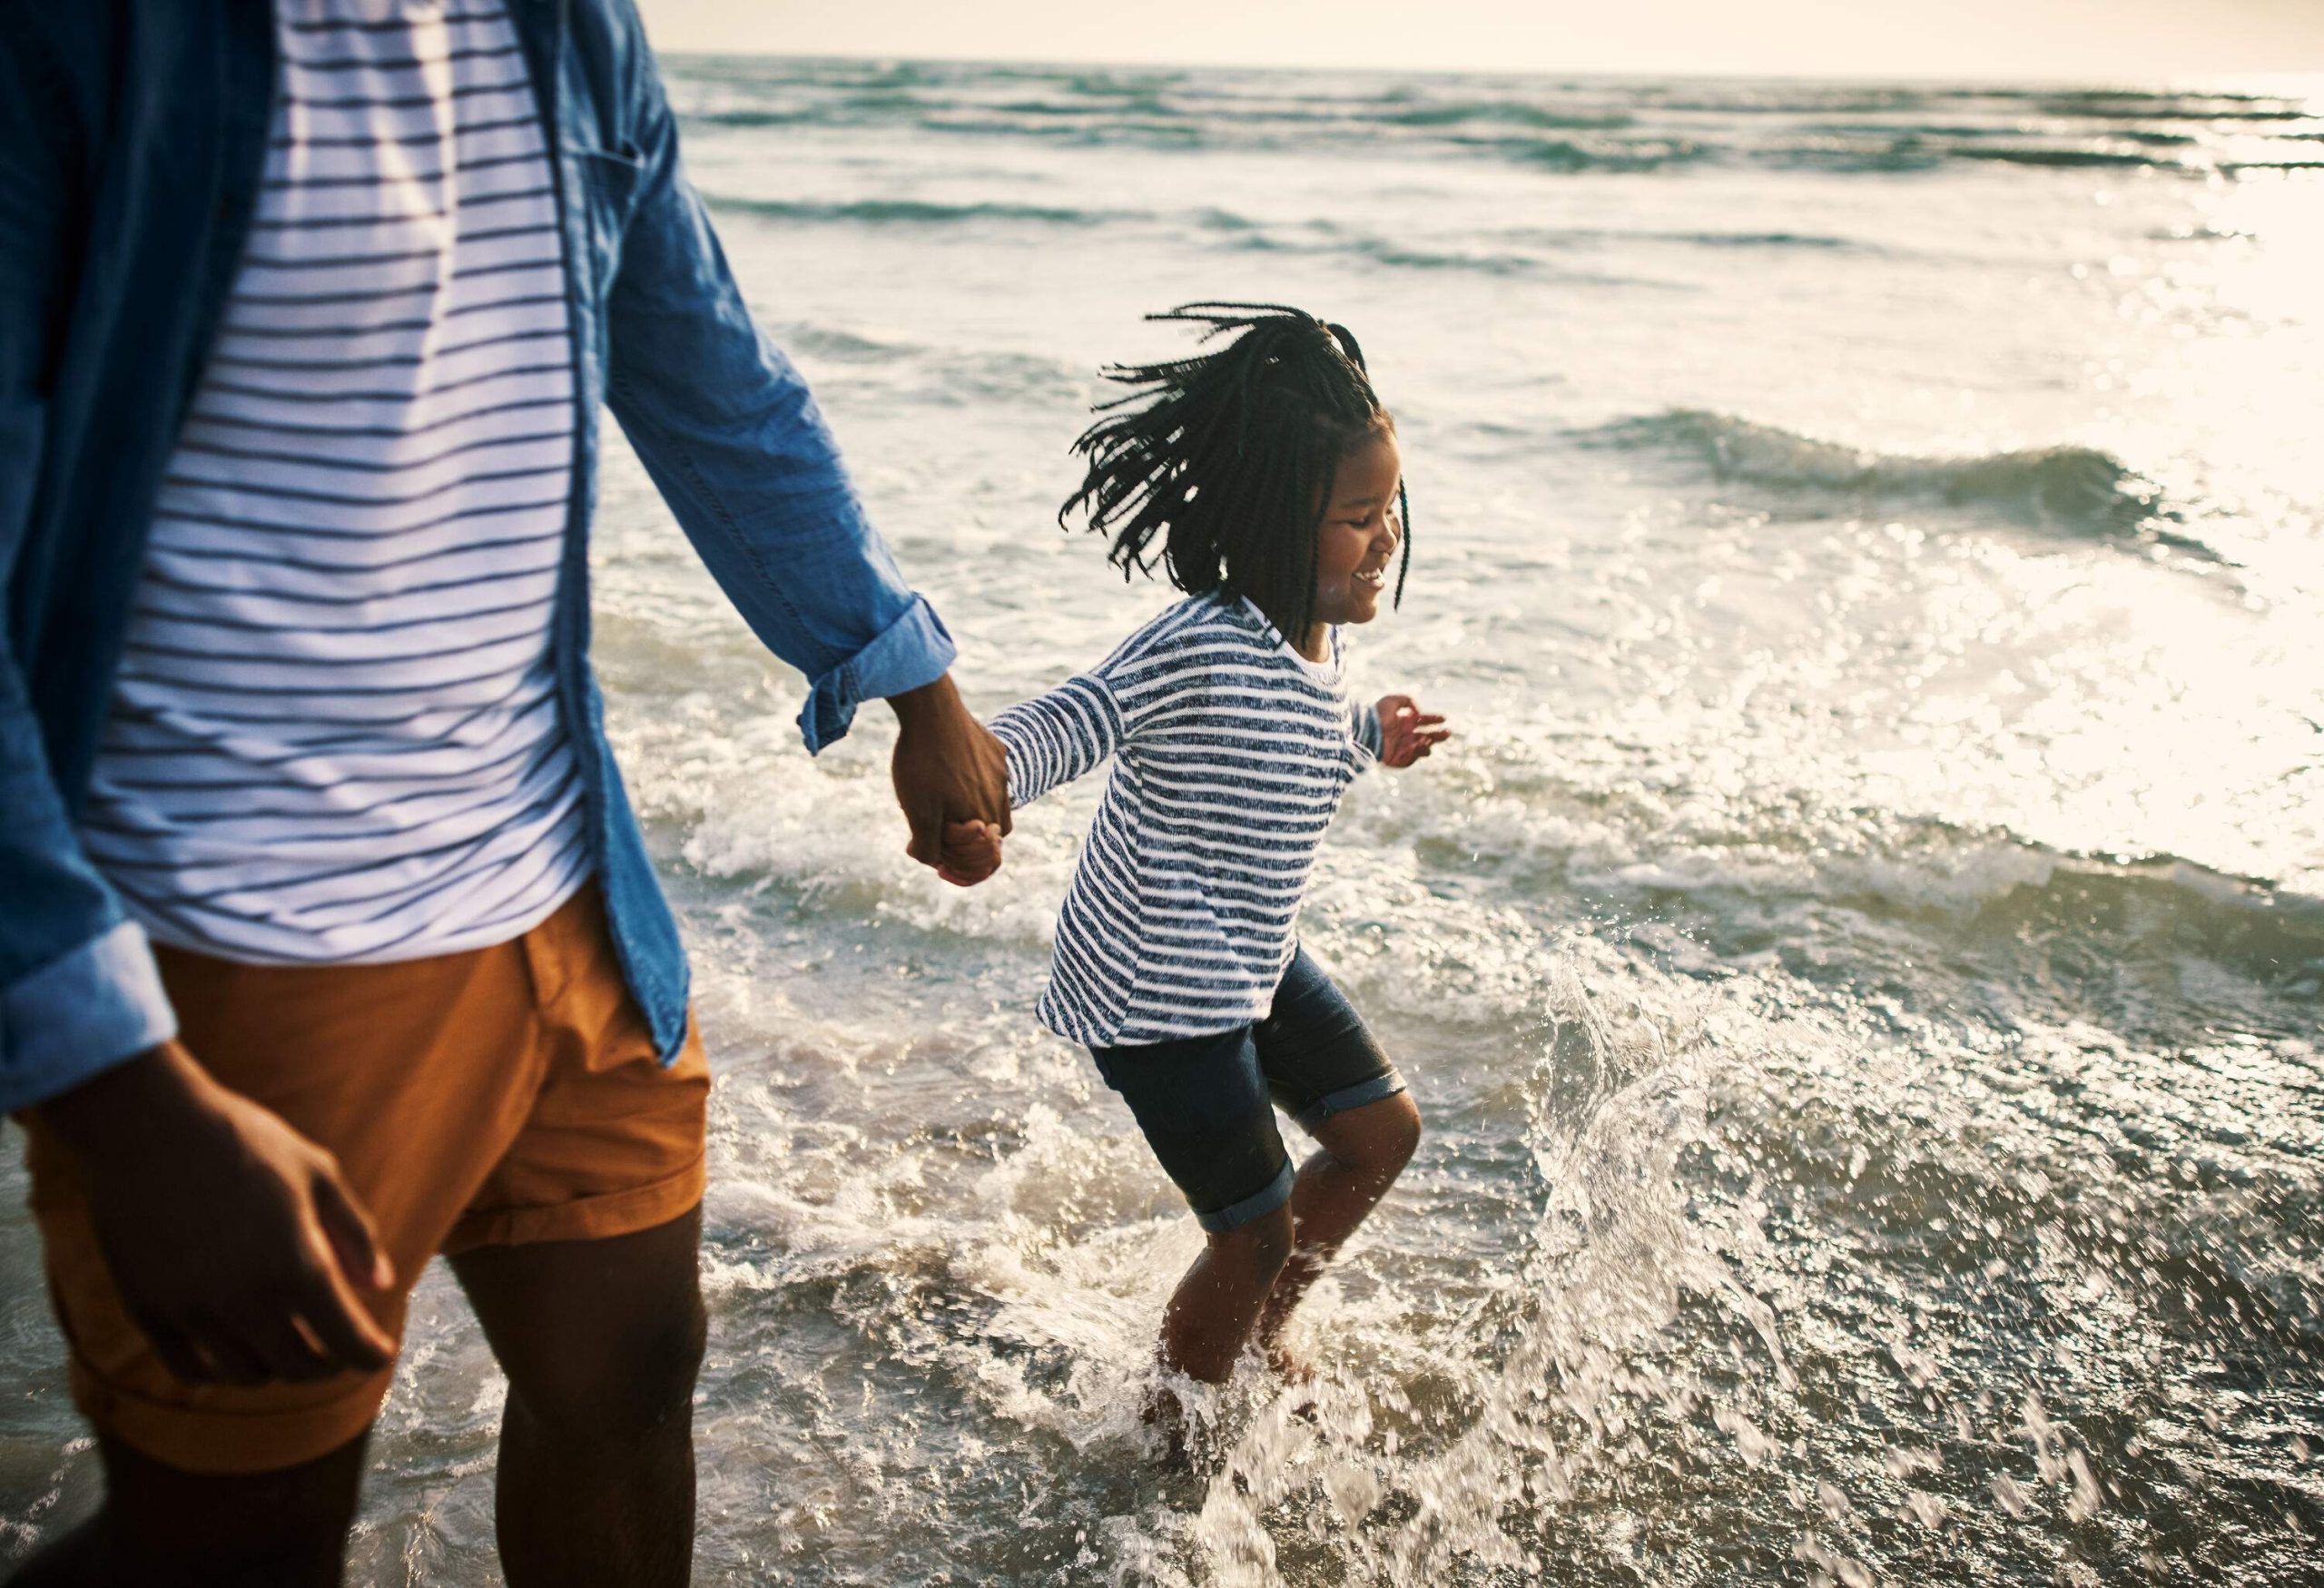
(132, 138)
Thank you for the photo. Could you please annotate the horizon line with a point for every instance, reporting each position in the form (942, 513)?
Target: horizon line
(2304, 82)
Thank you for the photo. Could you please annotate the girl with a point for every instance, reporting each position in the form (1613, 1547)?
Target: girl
(1269, 473)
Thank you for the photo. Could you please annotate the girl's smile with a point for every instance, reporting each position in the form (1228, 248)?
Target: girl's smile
(1358, 540)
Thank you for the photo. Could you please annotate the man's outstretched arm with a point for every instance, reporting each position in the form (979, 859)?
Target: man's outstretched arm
(734, 441)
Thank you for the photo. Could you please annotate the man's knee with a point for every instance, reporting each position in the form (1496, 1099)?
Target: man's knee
(601, 1340)
(628, 1381)
(668, 1366)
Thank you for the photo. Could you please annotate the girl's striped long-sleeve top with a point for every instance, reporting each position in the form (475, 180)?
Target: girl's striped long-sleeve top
(1231, 752)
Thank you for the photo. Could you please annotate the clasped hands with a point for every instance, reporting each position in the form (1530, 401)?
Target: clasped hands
(951, 778)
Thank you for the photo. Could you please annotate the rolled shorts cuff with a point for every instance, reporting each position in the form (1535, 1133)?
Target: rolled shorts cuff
(227, 1442)
(623, 1212)
(1348, 1097)
(1237, 1213)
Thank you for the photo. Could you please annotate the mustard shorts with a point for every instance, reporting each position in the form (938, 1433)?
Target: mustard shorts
(493, 1097)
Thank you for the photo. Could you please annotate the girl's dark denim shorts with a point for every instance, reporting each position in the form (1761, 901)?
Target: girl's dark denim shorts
(1208, 1103)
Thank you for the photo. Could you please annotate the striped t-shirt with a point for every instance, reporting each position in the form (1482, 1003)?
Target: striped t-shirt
(335, 736)
(1231, 752)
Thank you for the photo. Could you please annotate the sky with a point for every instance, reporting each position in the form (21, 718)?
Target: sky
(2079, 40)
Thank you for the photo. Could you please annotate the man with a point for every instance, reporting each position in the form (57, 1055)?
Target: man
(306, 311)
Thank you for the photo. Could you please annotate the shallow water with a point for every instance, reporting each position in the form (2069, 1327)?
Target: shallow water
(1861, 963)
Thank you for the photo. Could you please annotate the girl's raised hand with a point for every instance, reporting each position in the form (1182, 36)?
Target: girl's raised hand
(1406, 732)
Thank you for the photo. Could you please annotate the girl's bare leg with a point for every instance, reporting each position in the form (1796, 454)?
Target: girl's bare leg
(1212, 1312)
(1248, 1279)
(1361, 1152)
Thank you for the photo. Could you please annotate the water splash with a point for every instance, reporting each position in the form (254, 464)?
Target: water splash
(1548, 1381)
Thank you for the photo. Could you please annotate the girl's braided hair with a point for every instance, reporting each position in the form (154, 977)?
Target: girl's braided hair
(1229, 457)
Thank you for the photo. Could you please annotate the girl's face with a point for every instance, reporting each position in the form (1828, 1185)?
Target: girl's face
(1357, 544)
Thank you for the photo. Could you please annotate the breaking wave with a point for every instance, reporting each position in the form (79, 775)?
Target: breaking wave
(2080, 491)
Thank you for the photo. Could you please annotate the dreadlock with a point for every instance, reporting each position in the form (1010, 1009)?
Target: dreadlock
(1229, 457)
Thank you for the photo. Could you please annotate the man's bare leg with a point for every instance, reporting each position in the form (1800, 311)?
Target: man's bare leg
(161, 1526)
(601, 1340)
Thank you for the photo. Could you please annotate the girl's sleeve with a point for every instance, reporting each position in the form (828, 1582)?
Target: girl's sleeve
(1054, 738)
(1363, 717)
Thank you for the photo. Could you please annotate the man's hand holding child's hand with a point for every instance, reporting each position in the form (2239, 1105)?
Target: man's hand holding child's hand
(1406, 734)
(971, 852)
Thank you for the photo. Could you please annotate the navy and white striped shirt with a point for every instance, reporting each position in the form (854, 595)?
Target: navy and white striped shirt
(1231, 752)
(334, 736)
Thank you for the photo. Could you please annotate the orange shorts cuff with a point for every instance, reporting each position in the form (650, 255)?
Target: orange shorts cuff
(201, 1440)
(601, 1217)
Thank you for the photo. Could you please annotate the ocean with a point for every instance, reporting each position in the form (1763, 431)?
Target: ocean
(1860, 963)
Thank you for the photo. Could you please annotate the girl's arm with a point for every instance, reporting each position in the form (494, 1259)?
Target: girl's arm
(1364, 718)
(1054, 738)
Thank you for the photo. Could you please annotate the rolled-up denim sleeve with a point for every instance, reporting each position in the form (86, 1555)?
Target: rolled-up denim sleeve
(63, 1021)
(79, 991)
(734, 441)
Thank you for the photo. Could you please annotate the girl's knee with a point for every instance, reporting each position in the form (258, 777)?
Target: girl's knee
(1378, 1138)
(1403, 1129)
(1260, 1247)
